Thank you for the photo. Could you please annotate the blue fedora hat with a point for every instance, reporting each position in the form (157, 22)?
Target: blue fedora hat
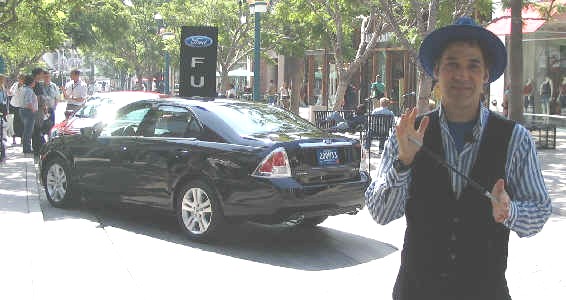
(463, 29)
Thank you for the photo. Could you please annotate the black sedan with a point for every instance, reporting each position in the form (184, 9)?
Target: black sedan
(209, 162)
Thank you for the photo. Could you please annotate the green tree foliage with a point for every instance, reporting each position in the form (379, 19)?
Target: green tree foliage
(8, 12)
(35, 29)
(300, 24)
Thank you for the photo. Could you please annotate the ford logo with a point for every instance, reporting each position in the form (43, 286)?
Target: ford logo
(198, 41)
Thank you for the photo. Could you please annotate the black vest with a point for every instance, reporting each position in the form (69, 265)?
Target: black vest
(453, 248)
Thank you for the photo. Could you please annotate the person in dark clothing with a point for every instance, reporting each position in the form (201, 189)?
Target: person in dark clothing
(456, 240)
(37, 138)
(349, 97)
(353, 124)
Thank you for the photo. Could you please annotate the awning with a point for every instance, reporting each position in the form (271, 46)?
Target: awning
(532, 21)
(238, 73)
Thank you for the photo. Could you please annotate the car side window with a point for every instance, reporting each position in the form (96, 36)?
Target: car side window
(127, 121)
(173, 121)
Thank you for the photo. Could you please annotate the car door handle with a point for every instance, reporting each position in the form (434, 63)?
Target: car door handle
(181, 153)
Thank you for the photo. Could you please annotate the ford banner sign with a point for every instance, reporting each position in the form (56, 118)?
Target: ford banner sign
(198, 61)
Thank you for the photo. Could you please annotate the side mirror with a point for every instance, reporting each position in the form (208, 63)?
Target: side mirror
(88, 132)
(93, 131)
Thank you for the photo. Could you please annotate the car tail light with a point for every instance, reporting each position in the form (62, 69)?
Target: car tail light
(276, 164)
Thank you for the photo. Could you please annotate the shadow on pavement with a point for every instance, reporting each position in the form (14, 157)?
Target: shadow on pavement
(286, 246)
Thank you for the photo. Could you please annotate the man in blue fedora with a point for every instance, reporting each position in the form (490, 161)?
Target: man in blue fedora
(456, 239)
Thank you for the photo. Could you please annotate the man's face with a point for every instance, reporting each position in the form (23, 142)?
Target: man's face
(75, 77)
(461, 74)
(39, 77)
(47, 77)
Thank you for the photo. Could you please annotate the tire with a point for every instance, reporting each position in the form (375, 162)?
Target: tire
(198, 211)
(58, 183)
(311, 222)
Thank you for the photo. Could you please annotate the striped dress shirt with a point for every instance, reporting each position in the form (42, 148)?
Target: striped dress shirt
(530, 206)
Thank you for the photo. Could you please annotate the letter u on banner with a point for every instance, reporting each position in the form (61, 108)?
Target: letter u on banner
(194, 84)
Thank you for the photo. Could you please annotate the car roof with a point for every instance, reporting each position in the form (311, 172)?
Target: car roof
(132, 95)
(201, 101)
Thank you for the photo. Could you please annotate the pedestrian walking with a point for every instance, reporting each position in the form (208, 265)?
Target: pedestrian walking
(15, 105)
(285, 96)
(271, 93)
(4, 103)
(456, 239)
(75, 92)
(349, 102)
(52, 98)
(29, 106)
(4, 109)
(37, 138)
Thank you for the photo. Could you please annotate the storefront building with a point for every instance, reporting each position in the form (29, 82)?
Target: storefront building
(544, 61)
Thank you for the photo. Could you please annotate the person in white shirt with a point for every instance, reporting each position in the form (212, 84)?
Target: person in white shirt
(75, 91)
(231, 93)
(15, 121)
(382, 109)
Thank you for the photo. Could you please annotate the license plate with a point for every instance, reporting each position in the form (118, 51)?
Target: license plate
(327, 157)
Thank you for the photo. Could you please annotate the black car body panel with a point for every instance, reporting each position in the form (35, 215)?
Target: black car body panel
(148, 169)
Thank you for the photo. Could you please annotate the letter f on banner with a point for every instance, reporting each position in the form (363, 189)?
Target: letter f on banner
(198, 61)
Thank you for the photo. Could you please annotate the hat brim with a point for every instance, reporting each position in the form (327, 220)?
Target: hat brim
(433, 45)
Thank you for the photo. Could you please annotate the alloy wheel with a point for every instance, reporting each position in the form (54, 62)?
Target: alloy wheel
(56, 182)
(196, 211)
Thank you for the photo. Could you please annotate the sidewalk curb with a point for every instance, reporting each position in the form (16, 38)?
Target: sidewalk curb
(33, 192)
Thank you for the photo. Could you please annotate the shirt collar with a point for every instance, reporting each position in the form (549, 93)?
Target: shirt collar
(481, 122)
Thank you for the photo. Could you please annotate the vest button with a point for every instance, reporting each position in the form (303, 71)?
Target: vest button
(456, 220)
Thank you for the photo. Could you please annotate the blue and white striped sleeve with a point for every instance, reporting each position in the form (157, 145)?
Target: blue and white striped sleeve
(386, 195)
(530, 204)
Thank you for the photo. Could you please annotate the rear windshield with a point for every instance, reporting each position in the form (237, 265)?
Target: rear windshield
(248, 119)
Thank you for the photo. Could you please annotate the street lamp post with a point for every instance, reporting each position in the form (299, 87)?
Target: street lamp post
(257, 7)
(165, 36)
(166, 79)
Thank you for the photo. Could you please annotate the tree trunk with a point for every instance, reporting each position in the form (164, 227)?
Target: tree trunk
(340, 93)
(294, 75)
(515, 105)
(423, 92)
(224, 81)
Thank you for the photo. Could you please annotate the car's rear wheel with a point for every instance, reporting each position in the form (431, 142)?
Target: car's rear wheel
(58, 186)
(198, 211)
(311, 222)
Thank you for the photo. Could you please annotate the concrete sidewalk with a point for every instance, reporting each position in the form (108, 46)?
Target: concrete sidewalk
(21, 221)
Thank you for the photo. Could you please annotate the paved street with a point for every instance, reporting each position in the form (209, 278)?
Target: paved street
(103, 251)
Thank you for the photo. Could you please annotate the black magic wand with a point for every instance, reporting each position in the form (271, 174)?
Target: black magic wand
(445, 164)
